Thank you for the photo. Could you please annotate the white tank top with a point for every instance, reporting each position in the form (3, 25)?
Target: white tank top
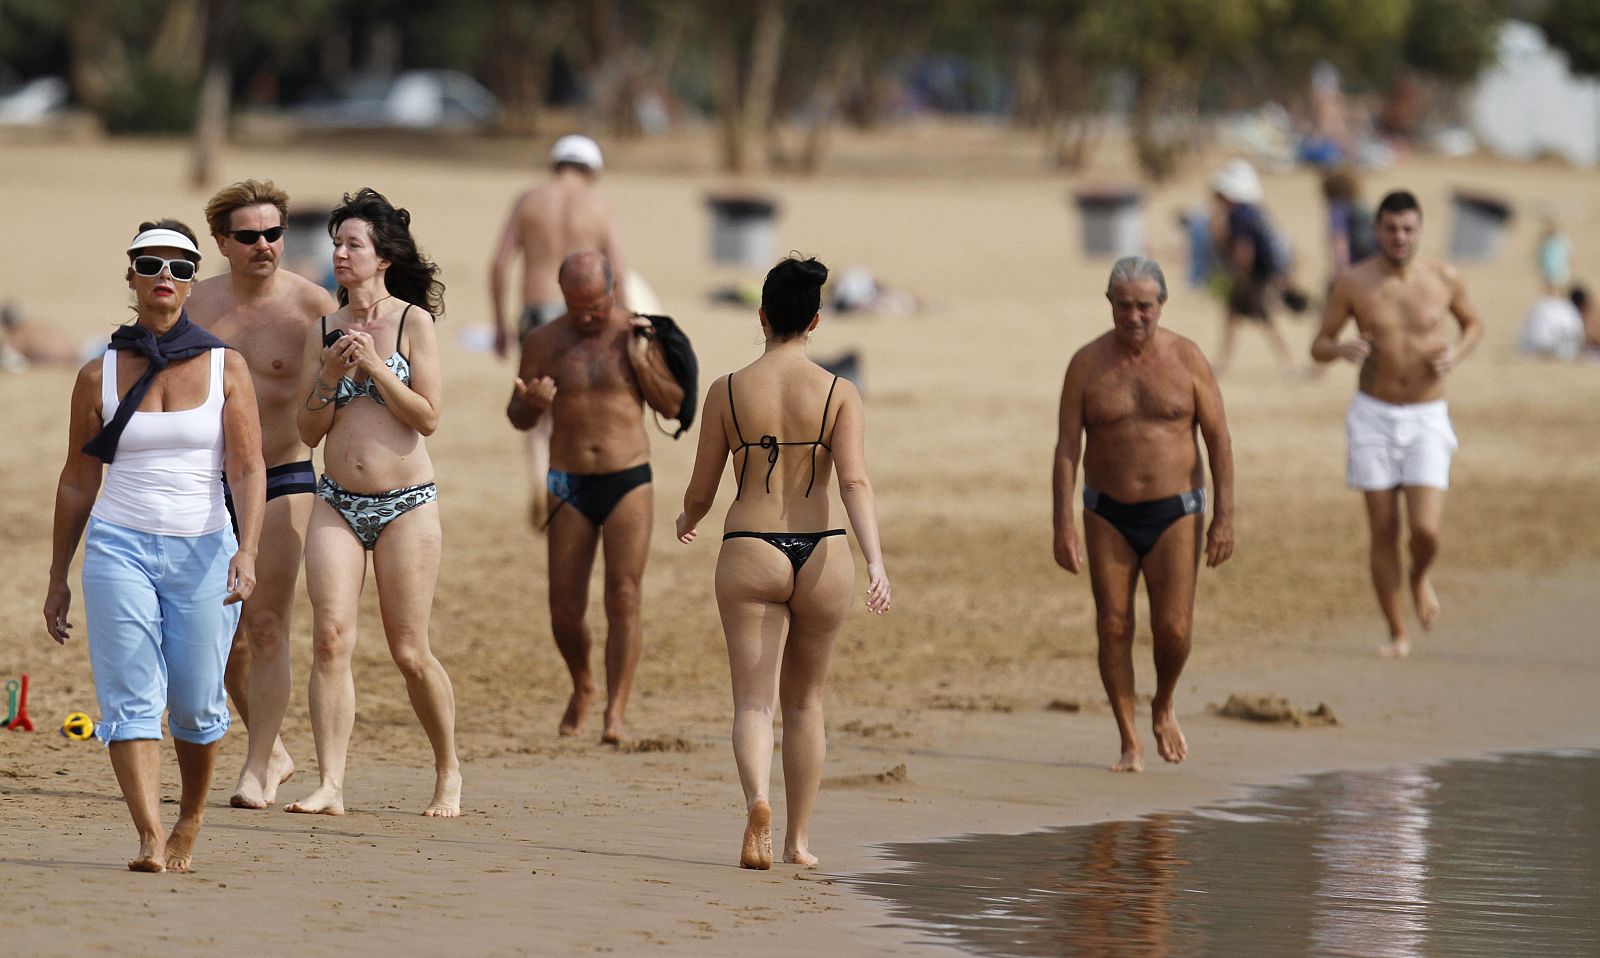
(167, 475)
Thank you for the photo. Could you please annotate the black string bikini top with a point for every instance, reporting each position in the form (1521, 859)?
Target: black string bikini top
(771, 443)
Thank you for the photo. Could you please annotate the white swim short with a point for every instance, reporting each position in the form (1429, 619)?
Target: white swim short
(1392, 446)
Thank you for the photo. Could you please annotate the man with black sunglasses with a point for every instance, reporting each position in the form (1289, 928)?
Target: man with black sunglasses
(264, 313)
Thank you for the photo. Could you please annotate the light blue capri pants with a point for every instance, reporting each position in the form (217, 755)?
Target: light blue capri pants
(159, 634)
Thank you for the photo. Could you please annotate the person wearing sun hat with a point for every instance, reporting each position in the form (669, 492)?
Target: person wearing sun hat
(547, 223)
(155, 423)
(1253, 264)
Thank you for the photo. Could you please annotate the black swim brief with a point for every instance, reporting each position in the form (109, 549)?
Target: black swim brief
(595, 495)
(1142, 523)
(287, 479)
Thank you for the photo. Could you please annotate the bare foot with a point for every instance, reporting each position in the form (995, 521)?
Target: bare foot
(446, 796)
(248, 792)
(799, 856)
(180, 844)
(326, 800)
(255, 790)
(1427, 602)
(152, 852)
(1132, 760)
(613, 734)
(577, 710)
(757, 849)
(280, 768)
(1398, 647)
(1169, 737)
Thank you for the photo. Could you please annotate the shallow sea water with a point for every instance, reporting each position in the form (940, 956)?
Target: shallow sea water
(1487, 857)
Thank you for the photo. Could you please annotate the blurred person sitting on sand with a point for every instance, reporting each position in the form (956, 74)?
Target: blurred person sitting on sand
(590, 372)
(1554, 328)
(785, 573)
(167, 411)
(1398, 428)
(1131, 403)
(548, 222)
(374, 392)
(1253, 263)
(265, 313)
(25, 343)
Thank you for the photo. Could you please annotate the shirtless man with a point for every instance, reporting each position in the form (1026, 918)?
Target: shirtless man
(264, 313)
(1129, 408)
(591, 374)
(1398, 429)
(548, 222)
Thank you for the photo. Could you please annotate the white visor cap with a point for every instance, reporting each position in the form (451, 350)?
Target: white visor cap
(579, 149)
(1238, 182)
(151, 239)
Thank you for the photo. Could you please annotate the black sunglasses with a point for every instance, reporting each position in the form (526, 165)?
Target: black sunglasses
(249, 237)
(181, 270)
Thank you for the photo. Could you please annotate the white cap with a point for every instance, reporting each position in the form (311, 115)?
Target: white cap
(1238, 183)
(150, 239)
(579, 149)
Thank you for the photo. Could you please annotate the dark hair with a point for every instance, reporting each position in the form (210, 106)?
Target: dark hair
(792, 294)
(1579, 297)
(168, 224)
(1339, 185)
(412, 277)
(1399, 201)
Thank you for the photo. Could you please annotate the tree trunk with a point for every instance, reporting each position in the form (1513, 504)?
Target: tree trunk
(766, 55)
(211, 114)
(97, 61)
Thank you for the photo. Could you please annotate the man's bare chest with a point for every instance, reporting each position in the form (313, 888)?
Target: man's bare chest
(592, 368)
(1123, 396)
(272, 344)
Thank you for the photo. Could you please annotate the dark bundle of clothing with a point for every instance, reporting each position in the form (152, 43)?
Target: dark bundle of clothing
(681, 362)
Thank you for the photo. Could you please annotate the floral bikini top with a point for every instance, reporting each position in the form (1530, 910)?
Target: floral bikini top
(350, 389)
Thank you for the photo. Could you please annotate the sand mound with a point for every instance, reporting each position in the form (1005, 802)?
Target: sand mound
(1274, 708)
(893, 776)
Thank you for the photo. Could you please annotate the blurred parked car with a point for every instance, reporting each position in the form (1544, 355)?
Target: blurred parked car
(414, 99)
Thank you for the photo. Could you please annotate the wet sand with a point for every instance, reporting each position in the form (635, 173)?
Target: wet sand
(570, 847)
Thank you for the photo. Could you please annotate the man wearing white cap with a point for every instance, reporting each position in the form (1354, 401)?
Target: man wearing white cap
(1251, 260)
(265, 312)
(547, 223)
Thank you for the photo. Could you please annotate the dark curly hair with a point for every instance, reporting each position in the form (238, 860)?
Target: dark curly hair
(792, 294)
(411, 277)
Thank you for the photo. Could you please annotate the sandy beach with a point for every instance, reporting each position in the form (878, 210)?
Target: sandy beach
(940, 714)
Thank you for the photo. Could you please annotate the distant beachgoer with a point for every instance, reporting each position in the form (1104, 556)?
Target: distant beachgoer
(590, 372)
(1398, 429)
(375, 405)
(156, 422)
(25, 343)
(785, 574)
(1590, 311)
(265, 312)
(1131, 403)
(1253, 261)
(1554, 256)
(1351, 237)
(1553, 330)
(547, 223)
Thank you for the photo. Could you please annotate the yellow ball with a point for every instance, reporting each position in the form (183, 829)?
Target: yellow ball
(78, 727)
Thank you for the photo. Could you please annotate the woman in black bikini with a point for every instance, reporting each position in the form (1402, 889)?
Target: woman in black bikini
(785, 573)
(376, 396)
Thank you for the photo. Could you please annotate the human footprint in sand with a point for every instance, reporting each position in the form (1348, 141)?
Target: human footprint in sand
(1398, 428)
(1130, 406)
(373, 391)
(784, 575)
(155, 424)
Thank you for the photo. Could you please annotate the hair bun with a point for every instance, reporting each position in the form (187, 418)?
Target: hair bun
(811, 269)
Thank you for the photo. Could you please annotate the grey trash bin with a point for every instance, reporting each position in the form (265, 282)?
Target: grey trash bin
(1479, 225)
(1112, 221)
(743, 230)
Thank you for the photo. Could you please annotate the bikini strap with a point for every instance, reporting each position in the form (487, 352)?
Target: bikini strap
(324, 331)
(739, 489)
(821, 431)
(735, 413)
(401, 332)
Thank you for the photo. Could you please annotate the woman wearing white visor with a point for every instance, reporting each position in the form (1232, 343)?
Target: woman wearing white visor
(155, 423)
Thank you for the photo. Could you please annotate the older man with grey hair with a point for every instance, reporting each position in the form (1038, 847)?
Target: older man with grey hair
(1131, 404)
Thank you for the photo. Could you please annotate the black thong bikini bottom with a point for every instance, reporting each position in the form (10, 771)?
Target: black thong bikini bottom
(797, 546)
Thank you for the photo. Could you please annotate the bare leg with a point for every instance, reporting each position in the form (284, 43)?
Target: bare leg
(195, 764)
(1230, 328)
(571, 545)
(1425, 517)
(405, 564)
(816, 614)
(336, 571)
(539, 472)
(1113, 573)
(753, 580)
(1383, 522)
(1170, 570)
(626, 542)
(266, 622)
(138, 767)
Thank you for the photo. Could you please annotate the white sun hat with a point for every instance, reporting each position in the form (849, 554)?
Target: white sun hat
(579, 149)
(149, 239)
(1238, 182)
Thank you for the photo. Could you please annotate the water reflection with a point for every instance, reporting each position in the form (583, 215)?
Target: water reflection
(1475, 858)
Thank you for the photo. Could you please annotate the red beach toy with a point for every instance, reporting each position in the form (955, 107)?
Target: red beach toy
(19, 718)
